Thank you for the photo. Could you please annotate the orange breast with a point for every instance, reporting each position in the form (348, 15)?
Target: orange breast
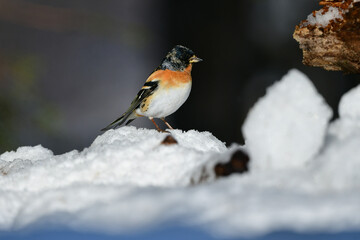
(170, 78)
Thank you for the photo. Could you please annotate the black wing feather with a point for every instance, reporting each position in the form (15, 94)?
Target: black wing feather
(142, 94)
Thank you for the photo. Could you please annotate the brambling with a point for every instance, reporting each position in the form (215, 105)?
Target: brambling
(165, 90)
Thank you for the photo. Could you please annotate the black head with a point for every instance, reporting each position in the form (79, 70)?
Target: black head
(178, 59)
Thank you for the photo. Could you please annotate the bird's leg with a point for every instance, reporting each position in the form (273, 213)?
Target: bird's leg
(157, 127)
(167, 124)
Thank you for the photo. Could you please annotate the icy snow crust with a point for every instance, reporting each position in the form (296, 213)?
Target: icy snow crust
(304, 174)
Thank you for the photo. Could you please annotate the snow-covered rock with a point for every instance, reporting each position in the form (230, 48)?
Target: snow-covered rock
(286, 127)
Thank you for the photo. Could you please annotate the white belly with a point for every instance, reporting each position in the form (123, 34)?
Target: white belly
(167, 101)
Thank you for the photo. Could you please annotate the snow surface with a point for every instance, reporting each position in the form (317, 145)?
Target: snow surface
(304, 178)
(323, 19)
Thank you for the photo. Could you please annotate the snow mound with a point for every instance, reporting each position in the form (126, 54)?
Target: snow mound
(349, 110)
(124, 156)
(341, 158)
(349, 106)
(32, 154)
(127, 180)
(286, 128)
(338, 167)
(119, 161)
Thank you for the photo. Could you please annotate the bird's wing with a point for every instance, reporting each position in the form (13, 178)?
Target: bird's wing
(146, 90)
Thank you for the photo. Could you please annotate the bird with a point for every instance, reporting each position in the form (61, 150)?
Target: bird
(164, 91)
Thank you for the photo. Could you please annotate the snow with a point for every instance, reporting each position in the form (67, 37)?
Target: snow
(126, 156)
(349, 110)
(286, 128)
(303, 175)
(323, 19)
(341, 159)
(350, 105)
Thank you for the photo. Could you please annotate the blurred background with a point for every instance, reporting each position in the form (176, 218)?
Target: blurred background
(70, 67)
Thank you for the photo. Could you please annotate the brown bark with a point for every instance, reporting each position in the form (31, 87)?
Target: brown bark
(335, 46)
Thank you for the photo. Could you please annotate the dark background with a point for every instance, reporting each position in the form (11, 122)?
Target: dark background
(70, 67)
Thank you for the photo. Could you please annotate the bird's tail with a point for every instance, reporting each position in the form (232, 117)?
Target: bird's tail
(126, 116)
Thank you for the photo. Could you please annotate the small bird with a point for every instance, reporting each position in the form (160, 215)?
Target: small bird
(165, 90)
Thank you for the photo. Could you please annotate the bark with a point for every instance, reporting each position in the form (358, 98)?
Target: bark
(335, 46)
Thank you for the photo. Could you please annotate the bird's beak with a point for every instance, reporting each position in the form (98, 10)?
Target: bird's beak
(195, 59)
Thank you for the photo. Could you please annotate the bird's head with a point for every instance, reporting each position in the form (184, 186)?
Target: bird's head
(179, 58)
